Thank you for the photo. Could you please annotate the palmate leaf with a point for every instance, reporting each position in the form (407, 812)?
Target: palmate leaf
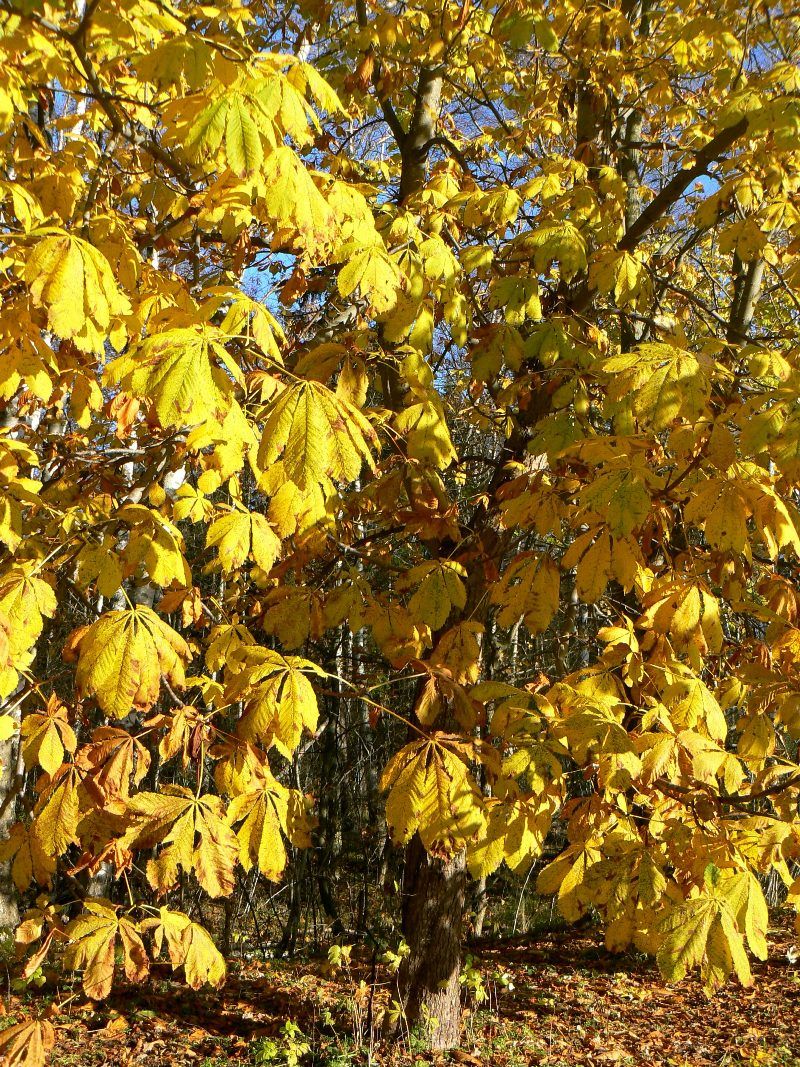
(29, 860)
(155, 544)
(122, 658)
(620, 273)
(424, 427)
(515, 833)
(196, 835)
(684, 610)
(176, 371)
(688, 929)
(376, 276)
(46, 735)
(707, 930)
(57, 812)
(112, 761)
(203, 964)
(559, 242)
(256, 113)
(92, 941)
(240, 535)
(661, 382)
(297, 210)
(721, 507)
(27, 1044)
(692, 706)
(599, 557)
(280, 701)
(438, 589)
(250, 320)
(265, 813)
(626, 887)
(189, 945)
(459, 651)
(620, 497)
(26, 600)
(231, 126)
(566, 875)
(529, 589)
(432, 792)
(313, 437)
(74, 282)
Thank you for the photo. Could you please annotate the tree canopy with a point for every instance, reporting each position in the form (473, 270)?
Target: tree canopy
(438, 359)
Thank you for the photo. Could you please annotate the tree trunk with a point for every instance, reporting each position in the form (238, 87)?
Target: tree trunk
(434, 893)
(434, 890)
(481, 900)
(9, 910)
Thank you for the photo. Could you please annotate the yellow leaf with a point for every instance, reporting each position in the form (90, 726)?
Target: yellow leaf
(692, 704)
(620, 498)
(703, 931)
(516, 832)
(685, 611)
(155, 544)
(397, 634)
(289, 613)
(248, 319)
(297, 209)
(592, 552)
(620, 273)
(92, 940)
(27, 1044)
(243, 147)
(175, 371)
(459, 650)
(375, 275)
(431, 791)
(189, 946)
(746, 899)
(242, 534)
(561, 242)
(123, 656)
(46, 735)
(265, 813)
(74, 281)
(279, 699)
(312, 436)
(29, 860)
(661, 381)
(195, 833)
(424, 427)
(203, 963)
(27, 600)
(687, 928)
(439, 589)
(56, 815)
(721, 510)
(529, 589)
(519, 298)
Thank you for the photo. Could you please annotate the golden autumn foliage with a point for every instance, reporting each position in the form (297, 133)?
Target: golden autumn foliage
(486, 354)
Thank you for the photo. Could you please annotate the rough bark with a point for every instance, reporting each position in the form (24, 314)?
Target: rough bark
(416, 144)
(747, 289)
(9, 786)
(434, 895)
(629, 166)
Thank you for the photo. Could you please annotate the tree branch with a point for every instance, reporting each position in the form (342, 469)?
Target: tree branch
(677, 186)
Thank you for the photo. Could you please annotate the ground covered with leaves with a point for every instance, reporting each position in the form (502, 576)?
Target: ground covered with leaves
(559, 999)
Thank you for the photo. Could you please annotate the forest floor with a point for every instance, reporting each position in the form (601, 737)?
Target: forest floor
(572, 1003)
